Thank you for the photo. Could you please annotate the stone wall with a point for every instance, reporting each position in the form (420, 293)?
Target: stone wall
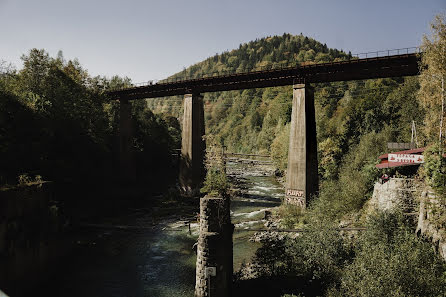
(26, 228)
(214, 248)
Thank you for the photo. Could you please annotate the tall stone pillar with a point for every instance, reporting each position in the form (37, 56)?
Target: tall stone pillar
(127, 161)
(192, 170)
(214, 250)
(302, 172)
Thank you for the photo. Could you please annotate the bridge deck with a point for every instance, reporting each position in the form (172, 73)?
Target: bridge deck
(355, 69)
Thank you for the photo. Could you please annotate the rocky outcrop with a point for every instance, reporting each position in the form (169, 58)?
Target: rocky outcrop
(396, 193)
(426, 221)
(414, 199)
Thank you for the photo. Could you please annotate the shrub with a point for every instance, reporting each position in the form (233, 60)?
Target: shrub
(434, 169)
(314, 258)
(216, 182)
(392, 261)
(319, 254)
(279, 147)
(354, 186)
(290, 215)
(434, 172)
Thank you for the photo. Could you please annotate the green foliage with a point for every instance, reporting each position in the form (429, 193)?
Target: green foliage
(329, 159)
(153, 135)
(434, 169)
(387, 259)
(391, 261)
(280, 146)
(319, 254)
(290, 215)
(270, 259)
(314, 258)
(56, 121)
(216, 182)
(357, 175)
(431, 94)
(70, 129)
(434, 172)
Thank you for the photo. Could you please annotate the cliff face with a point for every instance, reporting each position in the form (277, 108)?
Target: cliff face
(412, 198)
(426, 221)
(397, 193)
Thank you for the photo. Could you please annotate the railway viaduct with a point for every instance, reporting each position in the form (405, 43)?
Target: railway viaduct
(302, 177)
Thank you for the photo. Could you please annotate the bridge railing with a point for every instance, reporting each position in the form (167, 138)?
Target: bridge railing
(387, 53)
(274, 66)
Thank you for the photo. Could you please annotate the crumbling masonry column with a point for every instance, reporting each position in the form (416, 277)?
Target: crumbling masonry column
(302, 176)
(214, 250)
(126, 156)
(192, 170)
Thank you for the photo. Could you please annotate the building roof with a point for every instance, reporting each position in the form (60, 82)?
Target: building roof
(412, 151)
(387, 164)
(385, 158)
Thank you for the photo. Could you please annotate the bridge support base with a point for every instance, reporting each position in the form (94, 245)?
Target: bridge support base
(302, 172)
(127, 161)
(192, 170)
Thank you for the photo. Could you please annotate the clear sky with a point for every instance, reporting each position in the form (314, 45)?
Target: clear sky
(152, 39)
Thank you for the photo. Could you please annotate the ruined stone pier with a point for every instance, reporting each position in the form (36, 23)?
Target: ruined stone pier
(214, 250)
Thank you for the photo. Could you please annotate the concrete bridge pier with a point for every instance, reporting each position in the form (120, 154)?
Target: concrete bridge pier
(193, 146)
(127, 161)
(302, 171)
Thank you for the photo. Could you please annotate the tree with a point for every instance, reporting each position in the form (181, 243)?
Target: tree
(35, 68)
(432, 76)
(330, 151)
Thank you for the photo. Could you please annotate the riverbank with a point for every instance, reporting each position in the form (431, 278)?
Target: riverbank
(132, 242)
(140, 249)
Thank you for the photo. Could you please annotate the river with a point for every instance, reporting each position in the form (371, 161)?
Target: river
(159, 261)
